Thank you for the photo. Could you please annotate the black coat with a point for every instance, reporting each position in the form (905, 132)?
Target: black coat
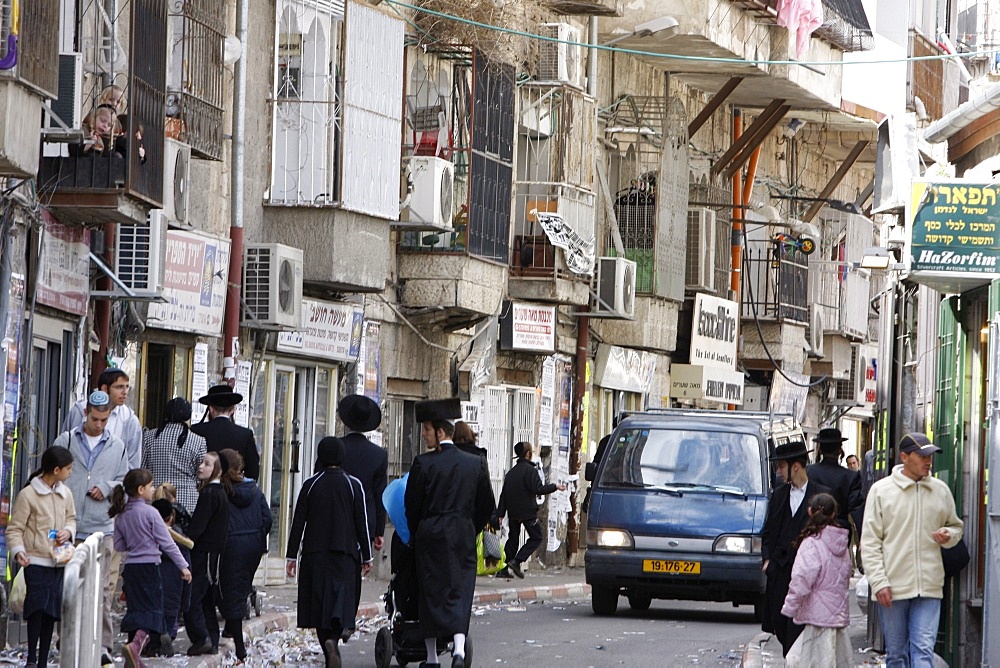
(781, 529)
(330, 517)
(249, 524)
(448, 500)
(222, 433)
(520, 487)
(368, 463)
(846, 486)
(210, 520)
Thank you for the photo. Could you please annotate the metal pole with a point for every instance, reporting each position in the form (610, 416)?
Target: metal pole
(231, 322)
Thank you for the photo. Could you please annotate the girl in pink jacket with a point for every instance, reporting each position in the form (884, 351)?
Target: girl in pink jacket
(818, 594)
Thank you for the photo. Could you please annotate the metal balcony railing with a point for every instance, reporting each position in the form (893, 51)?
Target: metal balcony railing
(775, 285)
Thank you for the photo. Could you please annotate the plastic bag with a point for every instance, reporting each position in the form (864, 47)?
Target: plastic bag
(861, 592)
(15, 602)
(61, 554)
(484, 564)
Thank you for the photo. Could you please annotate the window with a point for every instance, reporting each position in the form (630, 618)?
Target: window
(308, 111)
(194, 97)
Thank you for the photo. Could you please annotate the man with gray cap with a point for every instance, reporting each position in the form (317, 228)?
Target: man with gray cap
(909, 517)
(448, 501)
(101, 462)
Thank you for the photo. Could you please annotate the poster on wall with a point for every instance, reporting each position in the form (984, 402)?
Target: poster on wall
(546, 402)
(369, 370)
(11, 340)
(241, 415)
(63, 267)
(195, 277)
(199, 381)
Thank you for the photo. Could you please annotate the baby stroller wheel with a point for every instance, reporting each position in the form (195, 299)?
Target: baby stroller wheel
(256, 602)
(383, 648)
(468, 652)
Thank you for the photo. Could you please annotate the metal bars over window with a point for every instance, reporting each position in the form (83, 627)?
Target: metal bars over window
(194, 99)
(146, 99)
(37, 44)
(307, 105)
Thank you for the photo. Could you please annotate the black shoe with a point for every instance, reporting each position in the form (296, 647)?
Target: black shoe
(332, 653)
(214, 649)
(346, 634)
(106, 659)
(166, 645)
(457, 661)
(203, 647)
(516, 568)
(504, 573)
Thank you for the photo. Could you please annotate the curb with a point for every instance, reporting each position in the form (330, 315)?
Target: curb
(753, 654)
(257, 626)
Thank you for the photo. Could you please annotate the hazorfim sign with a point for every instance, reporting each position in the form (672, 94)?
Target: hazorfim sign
(954, 234)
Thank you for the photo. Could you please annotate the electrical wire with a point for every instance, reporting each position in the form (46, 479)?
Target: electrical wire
(678, 56)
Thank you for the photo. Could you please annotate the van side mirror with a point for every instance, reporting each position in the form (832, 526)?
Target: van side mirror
(590, 471)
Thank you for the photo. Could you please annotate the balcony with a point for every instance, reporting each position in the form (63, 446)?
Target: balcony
(586, 7)
(775, 284)
(554, 217)
(450, 291)
(744, 30)
(28, 75)
(121, 185)
(840, 291)
(654, 326)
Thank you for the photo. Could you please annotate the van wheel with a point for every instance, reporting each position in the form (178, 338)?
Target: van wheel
(639, 601)
(604, 600)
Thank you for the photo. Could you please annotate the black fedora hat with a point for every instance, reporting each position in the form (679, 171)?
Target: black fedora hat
(359, 412)
(222, 396)
(438, 409)
(793, 450)
(829, 439)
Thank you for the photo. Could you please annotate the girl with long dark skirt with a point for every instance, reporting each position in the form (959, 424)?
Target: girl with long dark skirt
(141, 534)
(43, 518)
(330, 527)
(208, 528)
(249, 525)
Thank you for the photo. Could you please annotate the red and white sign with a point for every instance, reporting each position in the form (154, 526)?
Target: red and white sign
(63, 271)
(195, 279)
(533, 327)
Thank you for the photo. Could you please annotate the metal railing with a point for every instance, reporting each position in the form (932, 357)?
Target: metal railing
(83, 586)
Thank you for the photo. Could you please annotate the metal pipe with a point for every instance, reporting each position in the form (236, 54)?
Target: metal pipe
(736, 240)
(102, 310)
(578, 416)
(592, 58)
(231, 322)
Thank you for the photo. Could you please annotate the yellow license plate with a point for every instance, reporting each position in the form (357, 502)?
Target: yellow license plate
(664, 566)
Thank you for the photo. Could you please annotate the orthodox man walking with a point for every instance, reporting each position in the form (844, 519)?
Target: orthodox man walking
(448, 501)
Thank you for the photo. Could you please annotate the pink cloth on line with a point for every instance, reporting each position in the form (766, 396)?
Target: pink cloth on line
(801, 17)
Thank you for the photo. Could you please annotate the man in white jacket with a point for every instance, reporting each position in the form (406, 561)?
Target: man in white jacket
(123, 422)
(909, 517)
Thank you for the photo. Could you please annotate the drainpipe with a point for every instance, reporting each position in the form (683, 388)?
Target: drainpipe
(736, 241)
(231, 322)
(582, 349)
(102, 310)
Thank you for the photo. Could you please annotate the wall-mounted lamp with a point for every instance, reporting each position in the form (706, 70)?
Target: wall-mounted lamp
(877, 257)
(792, 127)
(664, 27)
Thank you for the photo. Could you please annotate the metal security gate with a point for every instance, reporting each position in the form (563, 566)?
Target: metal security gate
(508, 416)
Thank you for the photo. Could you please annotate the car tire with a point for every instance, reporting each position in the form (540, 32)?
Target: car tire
(639, 601)
(604, 600)
(383, 648)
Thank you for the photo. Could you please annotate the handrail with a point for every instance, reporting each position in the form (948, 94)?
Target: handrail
(80, 636)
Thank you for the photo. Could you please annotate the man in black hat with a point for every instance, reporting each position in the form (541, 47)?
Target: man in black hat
(220, 432)
(448, 500)
(368, 463)
(845, 483)
(786, 517)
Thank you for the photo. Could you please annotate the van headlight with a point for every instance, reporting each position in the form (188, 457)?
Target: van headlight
(735, 544)
(610, 538)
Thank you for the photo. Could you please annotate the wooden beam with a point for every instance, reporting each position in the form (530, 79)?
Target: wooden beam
(713, 105)
(835, 180)
(747, 137)
(758, 131)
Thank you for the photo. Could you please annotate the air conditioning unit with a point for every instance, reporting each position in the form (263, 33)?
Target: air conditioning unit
(433, 196)
(67, 106)
(615, 288)
(272, 287)
(559, 62)
(699, 270)
(816, 330)
(176, 181)
(140, 254)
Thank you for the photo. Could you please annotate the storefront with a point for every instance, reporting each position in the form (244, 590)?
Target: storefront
(294, 390)
(623, 379)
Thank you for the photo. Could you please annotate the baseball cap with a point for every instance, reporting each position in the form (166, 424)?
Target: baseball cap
(98, 399)
(917, 442)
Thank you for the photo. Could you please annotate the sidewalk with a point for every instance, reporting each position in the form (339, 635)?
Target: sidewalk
(279, 606)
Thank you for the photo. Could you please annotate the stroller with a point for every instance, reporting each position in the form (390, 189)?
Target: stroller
(402, 637)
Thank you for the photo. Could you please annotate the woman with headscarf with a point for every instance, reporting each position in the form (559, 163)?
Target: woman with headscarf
(173, 452)
(329, 534)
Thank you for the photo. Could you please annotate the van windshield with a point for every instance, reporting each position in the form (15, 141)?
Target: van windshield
(684, 459)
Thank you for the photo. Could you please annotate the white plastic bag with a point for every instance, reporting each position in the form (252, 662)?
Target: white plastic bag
(861, 591)
(15, 602)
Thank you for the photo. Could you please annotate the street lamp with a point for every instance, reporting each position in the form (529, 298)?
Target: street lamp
(877, 257)
(664, 27)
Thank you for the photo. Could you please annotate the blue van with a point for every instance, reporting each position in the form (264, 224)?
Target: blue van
(677, 505)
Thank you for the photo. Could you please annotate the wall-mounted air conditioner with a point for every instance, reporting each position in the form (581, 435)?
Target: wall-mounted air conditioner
(559, 62)
(139, 254)
(615, 293)
(433, 196)
(699, 269)
(176, 181)
(817, 329)
(67, 107)
(272, 287)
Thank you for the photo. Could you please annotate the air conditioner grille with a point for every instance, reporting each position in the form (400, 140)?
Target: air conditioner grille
(134, 250)
(258, 282)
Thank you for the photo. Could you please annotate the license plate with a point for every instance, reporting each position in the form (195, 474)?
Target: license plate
(664, 566)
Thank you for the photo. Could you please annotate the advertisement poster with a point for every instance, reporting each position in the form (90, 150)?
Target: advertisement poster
(565, 412)
(199, 381)
(64, 267)
(11, 389)
(546, 403)
(241, 415)
(195, 278)
(329, 331)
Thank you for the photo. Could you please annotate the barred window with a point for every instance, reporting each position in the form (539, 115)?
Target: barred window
(307, 107)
